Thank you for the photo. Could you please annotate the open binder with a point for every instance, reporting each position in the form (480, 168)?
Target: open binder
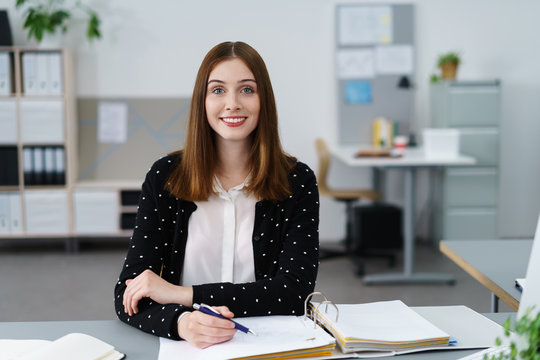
(388, 328)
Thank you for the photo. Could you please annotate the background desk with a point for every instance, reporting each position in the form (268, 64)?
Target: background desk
(413, 159)
(141, 346)
(494, 263)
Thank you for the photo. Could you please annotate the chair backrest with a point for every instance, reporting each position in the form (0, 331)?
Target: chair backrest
(323, 154)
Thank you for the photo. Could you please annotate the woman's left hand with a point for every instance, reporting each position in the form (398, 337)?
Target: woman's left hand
(149, 284)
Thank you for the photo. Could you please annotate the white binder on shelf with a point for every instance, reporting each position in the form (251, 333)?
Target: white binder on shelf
(42, 71)
(48, 165)
(4, 214)
(42, 121)
(5, 74)
(29, 69)
(28, 166)
(46, 211)
(60, 166)
(55, 73)
(38, 170)
(8, 121)
(15, 213)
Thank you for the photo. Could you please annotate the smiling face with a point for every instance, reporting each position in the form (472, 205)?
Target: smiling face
(232, 101)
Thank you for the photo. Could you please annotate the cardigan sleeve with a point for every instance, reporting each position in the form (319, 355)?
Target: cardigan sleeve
(148, 246)
(286, 256)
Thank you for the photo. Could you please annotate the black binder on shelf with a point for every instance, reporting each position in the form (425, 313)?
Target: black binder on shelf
(130, 197)
(10, 167)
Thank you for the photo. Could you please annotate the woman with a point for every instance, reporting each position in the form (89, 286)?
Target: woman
(230, 220)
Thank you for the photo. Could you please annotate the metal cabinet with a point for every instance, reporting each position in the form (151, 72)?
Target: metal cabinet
(466, 199)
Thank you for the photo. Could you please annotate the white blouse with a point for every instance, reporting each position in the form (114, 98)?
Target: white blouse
(219, 247)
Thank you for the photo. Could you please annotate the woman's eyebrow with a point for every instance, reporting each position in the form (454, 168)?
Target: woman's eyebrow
(223, 82)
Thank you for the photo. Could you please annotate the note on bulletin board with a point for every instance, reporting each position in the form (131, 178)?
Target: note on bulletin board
(394, 59)
(112, 122)
(355, 63)
(358, 92)
(365, 25)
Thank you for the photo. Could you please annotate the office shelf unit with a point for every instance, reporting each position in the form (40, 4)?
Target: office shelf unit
(467, 204)
(37, 142)
(40, 196)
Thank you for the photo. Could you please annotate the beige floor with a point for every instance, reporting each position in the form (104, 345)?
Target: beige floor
(45, 283)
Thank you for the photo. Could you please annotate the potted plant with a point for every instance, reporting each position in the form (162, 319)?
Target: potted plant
(528, 330)
(448, 63)
(47, 17)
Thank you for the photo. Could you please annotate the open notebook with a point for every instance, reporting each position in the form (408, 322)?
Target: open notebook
(69, 347)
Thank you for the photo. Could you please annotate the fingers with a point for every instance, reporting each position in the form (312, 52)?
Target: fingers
(203, 330)
(212, 321)
(134, 292)
(224, 310)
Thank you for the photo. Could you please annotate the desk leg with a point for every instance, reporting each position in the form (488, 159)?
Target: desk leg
(408, 225)
(408, 275)
(494, 303)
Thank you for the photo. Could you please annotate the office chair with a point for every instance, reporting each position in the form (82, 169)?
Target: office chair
(346, 196)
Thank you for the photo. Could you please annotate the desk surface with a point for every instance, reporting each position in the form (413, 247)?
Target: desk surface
(412, 157)
(140, 346)
(494, 263)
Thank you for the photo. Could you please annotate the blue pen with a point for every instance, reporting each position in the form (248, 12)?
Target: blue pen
(207, 309)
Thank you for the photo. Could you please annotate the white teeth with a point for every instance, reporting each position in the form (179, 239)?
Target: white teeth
(234, 120)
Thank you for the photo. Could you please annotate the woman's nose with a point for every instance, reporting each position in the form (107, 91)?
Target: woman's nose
(232, 102)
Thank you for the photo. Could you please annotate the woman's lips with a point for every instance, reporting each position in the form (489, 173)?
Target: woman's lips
(234, 121)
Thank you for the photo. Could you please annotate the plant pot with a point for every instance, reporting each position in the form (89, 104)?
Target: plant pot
(448, 71)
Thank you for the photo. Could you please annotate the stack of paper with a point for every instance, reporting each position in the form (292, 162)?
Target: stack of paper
(380, 326)
(278, 337)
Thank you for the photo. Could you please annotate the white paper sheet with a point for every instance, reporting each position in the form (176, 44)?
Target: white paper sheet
(355, 63)
(274, 334)
(112, 122)
(365, 25)
(394, 59)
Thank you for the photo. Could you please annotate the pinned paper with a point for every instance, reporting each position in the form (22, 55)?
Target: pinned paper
(394, 59)
(355, 63)
(365, 25)
(358, 92)
(112, 122)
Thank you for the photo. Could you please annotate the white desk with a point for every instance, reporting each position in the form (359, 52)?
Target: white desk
(413, 159)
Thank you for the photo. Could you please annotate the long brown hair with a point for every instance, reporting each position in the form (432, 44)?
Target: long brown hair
(192, 177)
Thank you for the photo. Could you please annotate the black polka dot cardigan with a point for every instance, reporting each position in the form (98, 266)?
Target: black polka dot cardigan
(285, 246)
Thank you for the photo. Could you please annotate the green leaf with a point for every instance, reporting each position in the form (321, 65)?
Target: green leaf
(19, 3)
(451, 57)
(58, 17)
(93, 27)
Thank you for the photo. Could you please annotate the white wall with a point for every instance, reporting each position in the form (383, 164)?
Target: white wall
(153, 49)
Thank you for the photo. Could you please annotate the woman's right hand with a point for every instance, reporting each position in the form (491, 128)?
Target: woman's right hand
(203, 330)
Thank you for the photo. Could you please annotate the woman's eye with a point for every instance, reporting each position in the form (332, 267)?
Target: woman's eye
(247, 90)
(217, 91)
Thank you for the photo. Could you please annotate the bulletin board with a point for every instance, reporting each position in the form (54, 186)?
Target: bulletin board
(155, 127)
(375, 60)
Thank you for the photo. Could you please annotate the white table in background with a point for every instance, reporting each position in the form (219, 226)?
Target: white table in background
(413, 159)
